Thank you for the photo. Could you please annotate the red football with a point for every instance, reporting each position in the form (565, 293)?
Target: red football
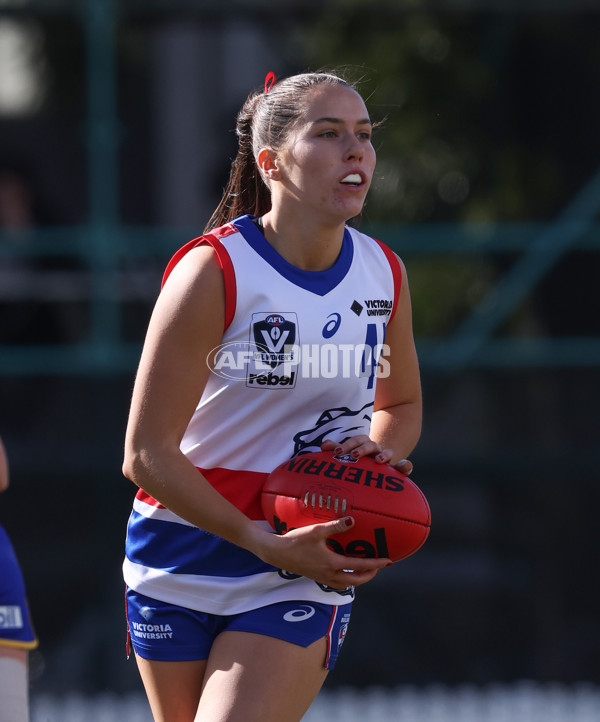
(392, 516)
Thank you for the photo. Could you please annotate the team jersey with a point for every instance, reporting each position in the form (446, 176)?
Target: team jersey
(16, 629)
(298, 364)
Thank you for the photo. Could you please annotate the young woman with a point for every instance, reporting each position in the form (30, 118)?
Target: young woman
(16, 633)
(228, 620)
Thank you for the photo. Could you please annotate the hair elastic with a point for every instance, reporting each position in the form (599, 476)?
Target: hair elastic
(270, 78)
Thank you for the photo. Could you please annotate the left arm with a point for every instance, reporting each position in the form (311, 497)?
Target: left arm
(397, 414)
(398, 410)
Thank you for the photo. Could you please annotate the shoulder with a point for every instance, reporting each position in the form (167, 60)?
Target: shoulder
(197, 272)
(210, 242)
(364, 240)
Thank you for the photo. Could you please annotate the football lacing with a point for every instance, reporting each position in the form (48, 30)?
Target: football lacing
(313, 500)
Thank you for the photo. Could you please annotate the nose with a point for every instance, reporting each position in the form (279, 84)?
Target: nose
(355, 149)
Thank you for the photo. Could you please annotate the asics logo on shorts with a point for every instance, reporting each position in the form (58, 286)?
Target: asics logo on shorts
(299, 615)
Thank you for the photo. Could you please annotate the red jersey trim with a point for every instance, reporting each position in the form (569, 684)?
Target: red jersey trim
(213, 239)
(396, 273)
(241, 488)
(147, 499)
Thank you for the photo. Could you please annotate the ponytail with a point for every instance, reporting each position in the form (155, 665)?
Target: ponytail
(246, 192)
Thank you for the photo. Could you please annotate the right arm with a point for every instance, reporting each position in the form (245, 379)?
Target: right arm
(186, 324)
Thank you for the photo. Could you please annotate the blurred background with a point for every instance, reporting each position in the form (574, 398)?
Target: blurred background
(116, 135)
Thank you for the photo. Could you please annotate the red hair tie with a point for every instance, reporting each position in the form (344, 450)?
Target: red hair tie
(270, 78)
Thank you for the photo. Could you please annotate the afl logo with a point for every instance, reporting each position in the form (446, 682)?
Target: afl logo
(345, 458)
(275, 319)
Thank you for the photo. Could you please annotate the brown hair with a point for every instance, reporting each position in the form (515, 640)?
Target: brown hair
(264, 121)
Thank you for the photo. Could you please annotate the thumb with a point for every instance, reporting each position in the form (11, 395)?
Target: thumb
(337, 526)
(404, 466)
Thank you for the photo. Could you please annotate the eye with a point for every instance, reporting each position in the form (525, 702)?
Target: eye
(327, 134)
(364, 135)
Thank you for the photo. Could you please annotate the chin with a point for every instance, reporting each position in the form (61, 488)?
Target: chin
(348, 210)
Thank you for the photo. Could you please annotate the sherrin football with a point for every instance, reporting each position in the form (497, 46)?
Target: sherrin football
(392, 516)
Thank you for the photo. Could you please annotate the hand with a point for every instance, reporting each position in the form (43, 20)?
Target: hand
(304, 551)
(363, 445)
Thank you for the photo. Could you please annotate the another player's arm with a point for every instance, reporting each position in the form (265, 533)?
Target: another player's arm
(4, 475)
(186, 324)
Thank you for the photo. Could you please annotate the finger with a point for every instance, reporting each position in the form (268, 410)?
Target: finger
(356, 578)
(404, 466)
(362, 568)
(385, 456)
(337, 526)
(353, 577)
(358, 446)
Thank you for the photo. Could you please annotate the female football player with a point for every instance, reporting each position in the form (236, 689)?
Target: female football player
(228, 620)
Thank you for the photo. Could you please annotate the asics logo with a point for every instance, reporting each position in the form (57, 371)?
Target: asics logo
(299, 615)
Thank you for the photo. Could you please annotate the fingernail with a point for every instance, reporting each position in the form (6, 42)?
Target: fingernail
(354, 453)
(348, 521)
(380, 457)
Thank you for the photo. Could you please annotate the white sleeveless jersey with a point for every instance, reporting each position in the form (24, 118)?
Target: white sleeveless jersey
(298, 364)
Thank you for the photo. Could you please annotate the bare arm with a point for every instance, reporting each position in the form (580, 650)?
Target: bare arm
(4, 476)
(396, 423)
(186, 324)
(398, 410)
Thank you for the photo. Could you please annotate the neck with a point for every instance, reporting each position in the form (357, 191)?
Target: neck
(303, 242)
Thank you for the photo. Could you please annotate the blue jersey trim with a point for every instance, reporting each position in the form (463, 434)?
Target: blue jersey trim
(183, 549)
(318, 282)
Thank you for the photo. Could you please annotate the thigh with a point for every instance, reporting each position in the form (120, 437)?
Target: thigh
(14, 693)
(173, 688)
(255, 678)
(171, 645)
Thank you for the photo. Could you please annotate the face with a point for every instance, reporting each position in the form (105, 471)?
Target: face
(327, 162)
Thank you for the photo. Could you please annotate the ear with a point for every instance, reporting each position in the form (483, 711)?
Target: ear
(267, 162)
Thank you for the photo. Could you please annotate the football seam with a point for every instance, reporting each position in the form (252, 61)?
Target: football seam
(365, 511)
(390, 516)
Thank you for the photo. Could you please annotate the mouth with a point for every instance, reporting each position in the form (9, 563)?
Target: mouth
(353, 180)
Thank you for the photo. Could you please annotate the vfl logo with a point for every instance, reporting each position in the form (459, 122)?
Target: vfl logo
(274, 336)
(342, 635)
(271, 335)
(147, 613)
